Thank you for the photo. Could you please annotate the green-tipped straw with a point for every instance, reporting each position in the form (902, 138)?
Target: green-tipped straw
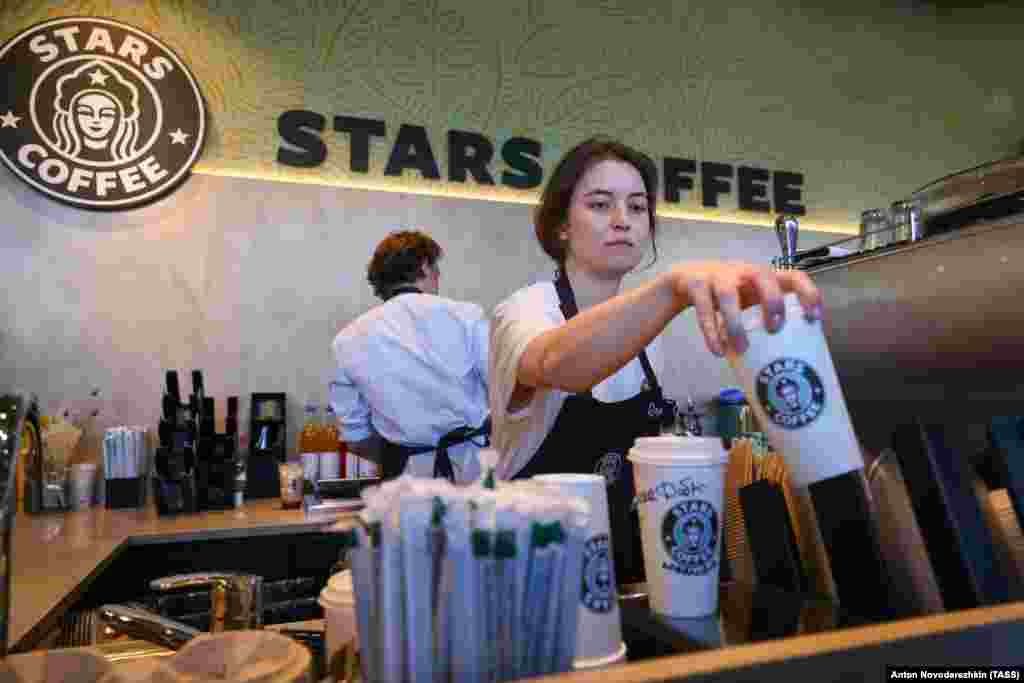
(505, 544)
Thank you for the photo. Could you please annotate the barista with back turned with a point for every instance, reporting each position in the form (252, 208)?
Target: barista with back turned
(410, 387)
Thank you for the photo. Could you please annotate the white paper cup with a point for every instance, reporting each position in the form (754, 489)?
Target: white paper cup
(791, 384)
(599, 625)
(330, 465)
(310, 466)
(342, 637)
(81, 482)
(680, 482)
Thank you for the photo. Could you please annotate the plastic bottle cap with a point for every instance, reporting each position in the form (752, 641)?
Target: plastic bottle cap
(731, 396)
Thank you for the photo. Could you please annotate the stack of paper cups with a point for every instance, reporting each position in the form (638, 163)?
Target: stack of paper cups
(339, 603)
(791, 384)
(599, 628)
(680, 482)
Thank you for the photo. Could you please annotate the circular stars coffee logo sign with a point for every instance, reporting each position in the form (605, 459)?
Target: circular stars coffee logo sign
(790, 392)
(97, 113)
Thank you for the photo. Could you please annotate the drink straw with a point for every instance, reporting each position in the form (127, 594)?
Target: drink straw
(363, 573)
(465, 656)
(537, 584)
(520, 571)
(504, 554)
(392, 600)
(415, 518)
(571, 588)
(438, 597)
(549, 625)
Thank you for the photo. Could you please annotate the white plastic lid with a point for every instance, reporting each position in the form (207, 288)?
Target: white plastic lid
(339, 591)
(752, 318)
(570, 478)
(691, 451)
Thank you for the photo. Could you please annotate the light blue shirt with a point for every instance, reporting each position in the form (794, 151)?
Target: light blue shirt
(413, 369)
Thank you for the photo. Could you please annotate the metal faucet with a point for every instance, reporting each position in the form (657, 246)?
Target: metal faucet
(236, 603)
(236, 600)
(787, 229)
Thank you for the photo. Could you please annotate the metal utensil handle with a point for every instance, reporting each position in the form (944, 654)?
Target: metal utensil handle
(147, 626)
(196, 579)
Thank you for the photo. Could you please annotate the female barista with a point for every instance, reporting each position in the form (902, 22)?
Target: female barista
(574, 363)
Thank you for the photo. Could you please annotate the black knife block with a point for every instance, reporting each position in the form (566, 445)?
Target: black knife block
(959, 542)
(174, 483)
(175, 496)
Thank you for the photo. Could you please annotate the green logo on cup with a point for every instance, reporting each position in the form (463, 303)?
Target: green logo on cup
(690, 534)
(790, 393)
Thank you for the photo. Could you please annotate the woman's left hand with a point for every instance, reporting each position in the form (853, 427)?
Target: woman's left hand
(720, 290)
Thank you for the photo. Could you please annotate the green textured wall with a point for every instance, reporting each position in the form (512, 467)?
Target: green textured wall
(868, 103)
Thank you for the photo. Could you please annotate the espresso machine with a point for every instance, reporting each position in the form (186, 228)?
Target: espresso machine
(13, 410)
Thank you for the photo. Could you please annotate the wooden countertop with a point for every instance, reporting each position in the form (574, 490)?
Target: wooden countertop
(55, 555)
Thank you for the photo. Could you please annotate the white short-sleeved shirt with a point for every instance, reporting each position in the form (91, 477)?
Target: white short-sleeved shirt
(517, 321)
(413, 369)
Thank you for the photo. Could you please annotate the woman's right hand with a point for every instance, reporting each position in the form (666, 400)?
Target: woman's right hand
(720, 290)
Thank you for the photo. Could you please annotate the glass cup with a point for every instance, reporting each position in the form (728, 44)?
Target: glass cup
(291, 484)
(874, 229)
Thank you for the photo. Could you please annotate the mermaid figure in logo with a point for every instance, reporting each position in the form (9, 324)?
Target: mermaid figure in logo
(96, 114)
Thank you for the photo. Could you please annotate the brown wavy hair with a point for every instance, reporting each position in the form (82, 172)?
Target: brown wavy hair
(399, 260)
(553, 212)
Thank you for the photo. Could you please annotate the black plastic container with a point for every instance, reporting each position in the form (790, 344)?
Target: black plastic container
(128, 492)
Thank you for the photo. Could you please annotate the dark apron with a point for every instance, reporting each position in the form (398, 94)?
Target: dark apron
(394, 457)
(591, 437)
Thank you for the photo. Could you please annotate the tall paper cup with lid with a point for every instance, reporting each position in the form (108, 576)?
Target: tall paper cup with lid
(599, 627)
(680, 481)
(791, 385)
(342, 637)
